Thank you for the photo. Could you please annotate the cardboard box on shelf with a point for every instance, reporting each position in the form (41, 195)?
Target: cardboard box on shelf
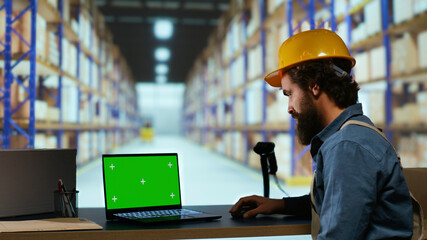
(304, 165)
(272, 5)
(41, 37)
(359, 33)
(51, 141)
(377, 59)
(402, 10)
(377, 108)
(342, 31)
(40, 110)
(40, 140)
(255, 20)
(228, 139)
(372, 13)
(239, 111)
(362, 69)
(283, 153)
(66, 11)
(421, 98)
(405, 55)
(53, 3)
(52, 114)
(272, 38)
(255, 62)
(17, 96)
(422, 49)
(340, 7)
(52, 49)
(238, 146)
(237, 73)
(254, 96)
(18, 141)
(253, 158)
(419, 6)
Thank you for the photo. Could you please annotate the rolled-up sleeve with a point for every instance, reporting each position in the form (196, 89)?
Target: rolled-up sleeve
(298, 206)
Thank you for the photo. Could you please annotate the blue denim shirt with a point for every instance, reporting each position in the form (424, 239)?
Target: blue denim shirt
(360, 191)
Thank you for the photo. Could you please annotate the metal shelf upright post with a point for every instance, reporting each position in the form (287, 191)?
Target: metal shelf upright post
(245, 79)
(117, 102)
(60, 34)
(79, 91)
(205, 106)
(90, 94)
(10, 77)
(388, 93)
(263, 15)
(100, 107)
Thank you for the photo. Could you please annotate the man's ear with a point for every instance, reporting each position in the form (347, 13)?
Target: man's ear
(315, 90)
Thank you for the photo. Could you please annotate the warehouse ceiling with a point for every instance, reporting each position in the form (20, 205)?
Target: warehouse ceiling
(131, 23)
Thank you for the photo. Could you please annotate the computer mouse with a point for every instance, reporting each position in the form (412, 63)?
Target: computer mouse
(242, 210)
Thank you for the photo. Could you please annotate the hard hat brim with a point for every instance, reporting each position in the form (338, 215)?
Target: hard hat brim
(274, 78)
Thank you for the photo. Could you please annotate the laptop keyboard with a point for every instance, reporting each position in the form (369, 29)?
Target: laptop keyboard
(157, 213)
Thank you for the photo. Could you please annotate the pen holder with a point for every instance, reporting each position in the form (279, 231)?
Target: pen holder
(66, 204)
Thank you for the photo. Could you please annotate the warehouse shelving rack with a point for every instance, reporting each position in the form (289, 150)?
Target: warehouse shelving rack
(294, 13)
(9, 64)
(293, 10)
(122, 132)
(259, 37)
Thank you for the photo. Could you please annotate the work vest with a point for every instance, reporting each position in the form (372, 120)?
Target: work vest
(418, 227)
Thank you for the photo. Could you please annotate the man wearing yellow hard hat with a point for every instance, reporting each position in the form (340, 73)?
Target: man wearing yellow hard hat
(358, 189)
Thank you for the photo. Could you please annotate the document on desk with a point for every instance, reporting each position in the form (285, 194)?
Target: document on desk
(51, 224)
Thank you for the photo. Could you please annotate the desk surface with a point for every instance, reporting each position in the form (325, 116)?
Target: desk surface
(263, 225)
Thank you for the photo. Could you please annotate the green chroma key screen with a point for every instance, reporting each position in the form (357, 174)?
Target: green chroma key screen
(141, 181)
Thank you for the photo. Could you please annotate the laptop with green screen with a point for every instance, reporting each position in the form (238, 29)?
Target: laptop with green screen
(145, 188)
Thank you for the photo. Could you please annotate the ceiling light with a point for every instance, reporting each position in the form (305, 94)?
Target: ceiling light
(163, 29)
(161, 69)
(162, 54)
(161, 79)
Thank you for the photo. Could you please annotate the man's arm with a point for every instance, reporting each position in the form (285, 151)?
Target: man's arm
(349, 180)
(298, 206)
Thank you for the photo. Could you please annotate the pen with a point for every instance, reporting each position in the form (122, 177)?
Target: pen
(66, 200)
(60, 196)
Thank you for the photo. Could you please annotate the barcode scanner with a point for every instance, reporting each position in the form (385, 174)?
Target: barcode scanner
(268, 163)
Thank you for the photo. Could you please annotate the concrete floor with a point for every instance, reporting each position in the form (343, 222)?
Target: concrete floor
(207, 178)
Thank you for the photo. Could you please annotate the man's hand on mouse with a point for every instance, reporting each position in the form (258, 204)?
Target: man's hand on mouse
(262, 205)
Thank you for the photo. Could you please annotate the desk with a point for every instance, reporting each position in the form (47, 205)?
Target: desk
(263, 225)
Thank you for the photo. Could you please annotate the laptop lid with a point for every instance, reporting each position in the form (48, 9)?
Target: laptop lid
(139, 182)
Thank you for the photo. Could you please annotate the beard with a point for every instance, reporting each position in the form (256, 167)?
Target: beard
(309, 122)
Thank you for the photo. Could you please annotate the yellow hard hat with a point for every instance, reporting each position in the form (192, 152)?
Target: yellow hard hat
(306, 46)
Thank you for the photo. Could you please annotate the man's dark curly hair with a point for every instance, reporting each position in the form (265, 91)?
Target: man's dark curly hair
(342, 89)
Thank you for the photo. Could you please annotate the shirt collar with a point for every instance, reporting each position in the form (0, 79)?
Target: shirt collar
(334, 126)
